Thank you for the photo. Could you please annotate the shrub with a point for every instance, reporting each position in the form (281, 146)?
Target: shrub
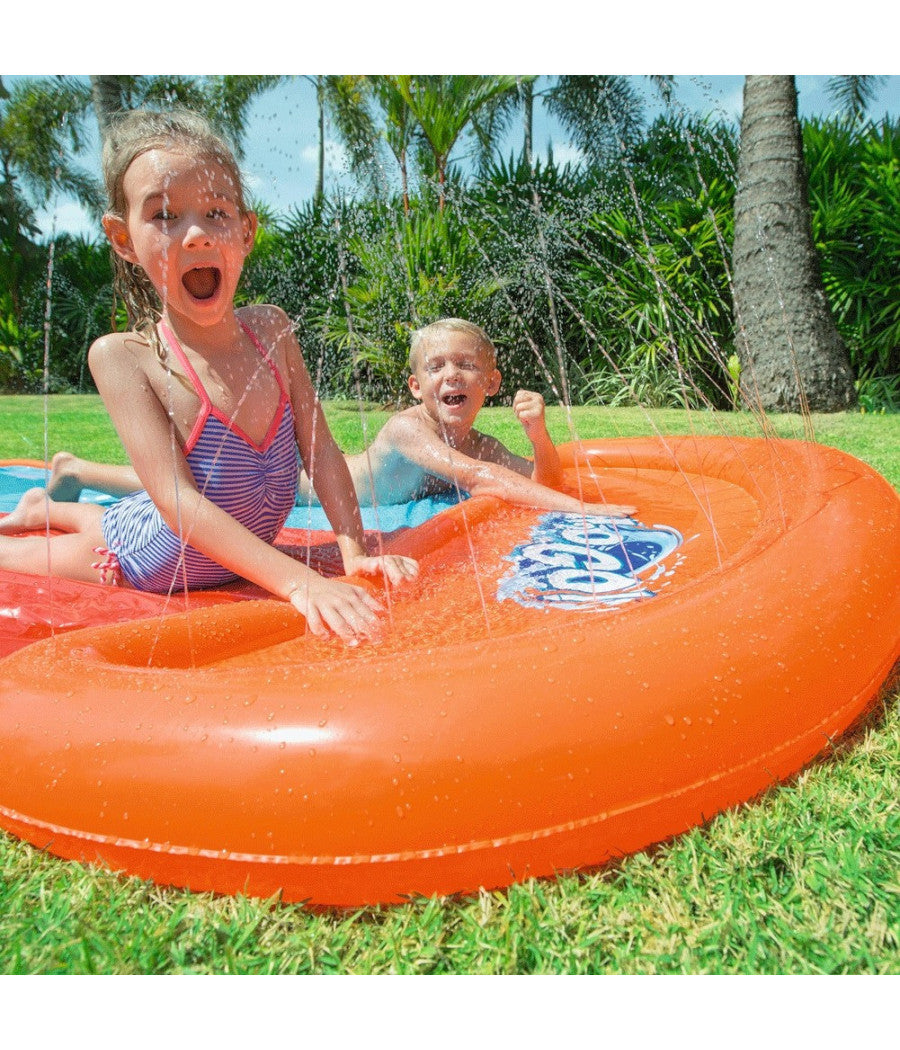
(854, 189)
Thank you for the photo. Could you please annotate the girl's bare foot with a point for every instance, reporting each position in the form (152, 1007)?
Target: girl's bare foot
(31, 513)
(64, 483)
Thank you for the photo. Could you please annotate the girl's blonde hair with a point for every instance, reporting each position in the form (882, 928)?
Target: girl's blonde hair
(451, 324)
(129, 135)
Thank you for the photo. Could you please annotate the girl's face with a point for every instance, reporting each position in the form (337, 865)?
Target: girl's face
(184, 227)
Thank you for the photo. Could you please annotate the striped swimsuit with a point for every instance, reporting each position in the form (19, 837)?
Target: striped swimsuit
(256, 484)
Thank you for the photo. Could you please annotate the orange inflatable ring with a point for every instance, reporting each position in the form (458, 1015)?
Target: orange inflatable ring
(490, 735)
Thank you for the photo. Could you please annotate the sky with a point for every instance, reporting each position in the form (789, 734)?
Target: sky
(282, 140)
(467, 36)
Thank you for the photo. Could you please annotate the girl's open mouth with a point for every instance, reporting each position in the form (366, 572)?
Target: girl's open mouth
(453, 399)
(202, 281)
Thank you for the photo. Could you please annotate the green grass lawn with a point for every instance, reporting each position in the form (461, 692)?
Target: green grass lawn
(805, 880)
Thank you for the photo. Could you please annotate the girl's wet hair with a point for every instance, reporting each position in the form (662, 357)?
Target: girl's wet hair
(451, 324)
(129, 135)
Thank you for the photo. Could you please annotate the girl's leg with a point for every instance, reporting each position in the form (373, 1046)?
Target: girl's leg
(36, 511)
(70, 555)
(69, 475)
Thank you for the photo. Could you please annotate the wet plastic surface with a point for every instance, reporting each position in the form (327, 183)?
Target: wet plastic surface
(481, 739)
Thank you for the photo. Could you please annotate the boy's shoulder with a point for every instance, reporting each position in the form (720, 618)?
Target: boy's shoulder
(407, 430)
(401, 428)
(410, 421)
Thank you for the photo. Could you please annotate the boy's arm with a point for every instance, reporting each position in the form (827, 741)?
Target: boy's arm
(529, 410)
(492, 475)
(545, 467)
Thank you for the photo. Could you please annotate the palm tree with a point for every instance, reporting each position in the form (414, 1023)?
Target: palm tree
(398, 126)
(348, 102)
(443, 106)
(853, 93)
(345, 99)
(430, 110)
(526, 94)
(493, 120)
(41, 127)
(792, 356)
(603, 114)
(107, 98)
(223, 100)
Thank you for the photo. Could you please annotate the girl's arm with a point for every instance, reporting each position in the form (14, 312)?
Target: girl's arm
(327, 468)
(117, 364)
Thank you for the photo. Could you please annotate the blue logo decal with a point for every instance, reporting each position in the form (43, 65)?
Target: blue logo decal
(575, 562)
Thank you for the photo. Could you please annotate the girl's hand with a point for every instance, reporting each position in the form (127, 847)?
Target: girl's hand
(332, 605)
(395, 568)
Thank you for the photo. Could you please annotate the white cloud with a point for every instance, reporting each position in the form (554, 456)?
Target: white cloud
(68, 217)
(566, 153)
(336, 159)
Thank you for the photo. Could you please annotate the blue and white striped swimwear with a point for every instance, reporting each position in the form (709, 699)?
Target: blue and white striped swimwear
(256, 484)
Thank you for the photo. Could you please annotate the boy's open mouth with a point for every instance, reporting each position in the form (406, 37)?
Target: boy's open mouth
(202, 281)
(453, 399)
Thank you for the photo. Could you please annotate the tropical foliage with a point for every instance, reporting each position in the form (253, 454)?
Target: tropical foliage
(605, 281)
(855, 195)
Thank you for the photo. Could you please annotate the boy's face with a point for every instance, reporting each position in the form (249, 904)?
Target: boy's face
(453, 375)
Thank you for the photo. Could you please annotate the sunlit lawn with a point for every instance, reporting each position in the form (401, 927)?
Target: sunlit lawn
(805, 880)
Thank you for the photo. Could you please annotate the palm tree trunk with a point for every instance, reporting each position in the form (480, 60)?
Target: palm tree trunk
(319, 194)
(792, 356)
(526, 92)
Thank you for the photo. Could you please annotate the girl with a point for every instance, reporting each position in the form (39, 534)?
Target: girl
(211, 402)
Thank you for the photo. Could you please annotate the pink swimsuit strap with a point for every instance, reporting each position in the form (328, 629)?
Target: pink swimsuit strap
(209, 409)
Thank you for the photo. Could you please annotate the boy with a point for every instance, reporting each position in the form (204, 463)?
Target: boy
(424, 450)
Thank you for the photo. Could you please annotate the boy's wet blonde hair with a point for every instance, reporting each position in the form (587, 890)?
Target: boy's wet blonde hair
(450, 324)
(129, 135)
